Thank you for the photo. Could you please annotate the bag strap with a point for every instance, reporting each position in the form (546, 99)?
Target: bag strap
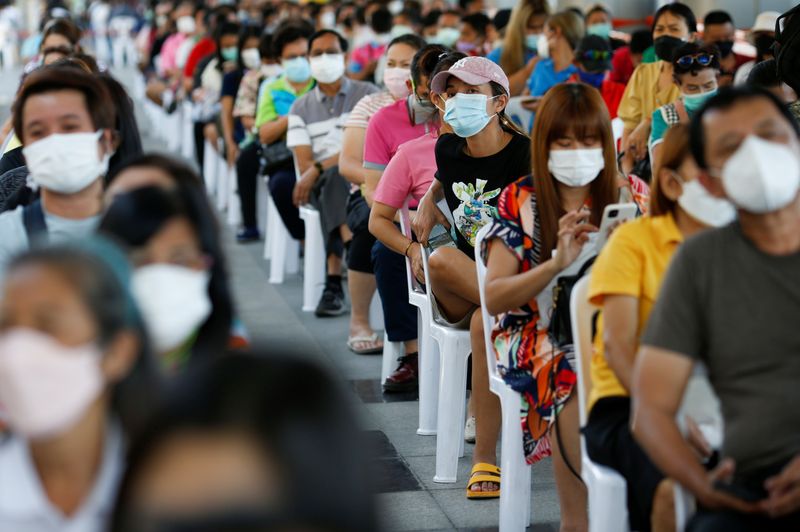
(34, 222)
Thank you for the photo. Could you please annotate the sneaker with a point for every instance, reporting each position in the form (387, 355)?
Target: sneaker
(404, 378)
(248, 234)
(469, 430)
(331, 303)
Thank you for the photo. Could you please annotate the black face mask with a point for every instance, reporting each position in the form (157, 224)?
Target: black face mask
(764, 44)
(725, 48)
(665, 46)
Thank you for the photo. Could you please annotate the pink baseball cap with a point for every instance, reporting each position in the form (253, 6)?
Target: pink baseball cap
(473, 71)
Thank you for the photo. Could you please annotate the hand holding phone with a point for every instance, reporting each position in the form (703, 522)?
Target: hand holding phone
(614, 215)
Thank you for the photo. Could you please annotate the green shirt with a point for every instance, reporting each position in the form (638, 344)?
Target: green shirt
(277, 98)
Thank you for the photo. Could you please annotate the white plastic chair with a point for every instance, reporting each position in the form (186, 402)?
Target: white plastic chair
(281, 249)
(313, 260)
(210, 168)
(608, 506)
(187, 130)
(223, 177)
(234, 205)
(618, 127)
(515, 491)
(454, 349)
(428, 370)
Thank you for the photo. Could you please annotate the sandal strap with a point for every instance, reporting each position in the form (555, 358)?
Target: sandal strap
(477, 479)
(483, 467)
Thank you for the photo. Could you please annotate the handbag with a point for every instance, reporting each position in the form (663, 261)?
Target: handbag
(560, 329)
(274, 157)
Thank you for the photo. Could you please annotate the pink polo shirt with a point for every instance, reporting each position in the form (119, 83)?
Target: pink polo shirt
(386, 131)
(409, 173)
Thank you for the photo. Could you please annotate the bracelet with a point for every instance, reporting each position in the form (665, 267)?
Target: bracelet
(408, 247)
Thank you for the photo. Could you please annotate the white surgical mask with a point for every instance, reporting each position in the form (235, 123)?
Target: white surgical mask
(702, 206)
(251, 58)
(66, 163)
(762, 176)
(271, 71)
(186, 25)
(45, 386)
(327, 68)
(399, 30)
(395, 79)
(174, 302)
(543, 47)
(576, 168)
(327, 20)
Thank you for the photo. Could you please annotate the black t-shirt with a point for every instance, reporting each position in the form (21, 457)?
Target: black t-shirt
(473, 184)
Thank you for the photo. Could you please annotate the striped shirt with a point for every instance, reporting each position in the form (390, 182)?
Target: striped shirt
(367, 107)
(317, 120)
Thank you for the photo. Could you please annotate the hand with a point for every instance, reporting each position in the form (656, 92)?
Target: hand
(532, 62)
(232, 152)
(428, 215)
(697, 440)
(784, 491)
(415, 255)
(302, 189)
(573, 232)
(713, 498)
(637, 141)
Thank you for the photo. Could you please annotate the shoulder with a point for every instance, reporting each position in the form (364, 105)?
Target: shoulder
(495, 54)
(303, 103)
(362, 87)
(449, 145)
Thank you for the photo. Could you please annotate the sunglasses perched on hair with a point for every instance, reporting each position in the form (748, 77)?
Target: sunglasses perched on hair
(702, 60)
(596, 55)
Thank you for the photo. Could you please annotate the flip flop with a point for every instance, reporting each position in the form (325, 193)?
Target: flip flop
(373, 340)
(488, 473)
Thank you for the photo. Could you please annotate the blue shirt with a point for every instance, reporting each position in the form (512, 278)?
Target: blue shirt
(495, 54)
(545, 76)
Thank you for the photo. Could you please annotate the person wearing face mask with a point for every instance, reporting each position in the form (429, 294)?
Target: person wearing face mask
(184, 19)
(485, 153)
(315, 138)
(517, 56)
(599, 22)
(593, 59)
(561, 36)
(544, 229)
(652, 84)
(290, 47)
(762, 37)
(448, 28)
(364, 59)
(77, 380)
(64, 118)
(719, 30)
(247, 58)
(695, 70)
(473, 40)
(625, 283)
(727, 301)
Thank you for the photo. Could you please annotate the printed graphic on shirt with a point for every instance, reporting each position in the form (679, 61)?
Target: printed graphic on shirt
(474, 210)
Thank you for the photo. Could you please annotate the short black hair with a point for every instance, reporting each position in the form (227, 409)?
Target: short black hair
(425, 61)
(601, 8)
(445, 62)
(478, 21)
(316, 35)
(289, 33)
(679, 10)
(726, 98)
(501, 19)
(432, 18)
(409, 39)
(717, 17)
(764, 75)
(641, 40)
(265, 46)
(693, 48)
(381, 21)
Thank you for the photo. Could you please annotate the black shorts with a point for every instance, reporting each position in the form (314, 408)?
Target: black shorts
(359, 252)
(609, 442)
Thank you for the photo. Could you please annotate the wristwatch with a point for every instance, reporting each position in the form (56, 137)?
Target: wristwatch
(318, 166)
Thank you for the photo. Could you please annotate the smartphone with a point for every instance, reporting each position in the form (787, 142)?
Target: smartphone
(740, 492)
(439, 237)
(614, 214)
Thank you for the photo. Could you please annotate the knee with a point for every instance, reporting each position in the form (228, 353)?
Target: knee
(439, 266)
(662, 515)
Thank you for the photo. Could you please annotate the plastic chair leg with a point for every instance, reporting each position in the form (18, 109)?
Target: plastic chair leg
(234, 207)
(515, 493)
(187, 131)
(428, 377)
(314, 260)
(452, 406)
(222, 180)
(210, 168)
(391, 352)
(376, 313)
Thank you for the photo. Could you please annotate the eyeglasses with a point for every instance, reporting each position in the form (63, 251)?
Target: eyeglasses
(596, 55)
(702, 60)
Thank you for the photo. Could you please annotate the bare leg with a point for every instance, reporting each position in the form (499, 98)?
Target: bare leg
(486, 405)
(571, 491)
(411, 346)
(454, 282)
(361, 287)
(662, 518)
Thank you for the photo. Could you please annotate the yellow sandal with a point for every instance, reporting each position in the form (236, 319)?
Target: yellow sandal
(489, 473)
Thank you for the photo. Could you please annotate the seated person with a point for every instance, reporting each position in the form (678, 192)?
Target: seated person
(314, 135)
(719, 30)
(364, 59)
(765, 76)
(448, 28)
(599, 21)
(694, 70)
(762, 37)
(736, 321)
(473, 40)
(593, 59)
(627, 58)
(562, 33)
(625, 281)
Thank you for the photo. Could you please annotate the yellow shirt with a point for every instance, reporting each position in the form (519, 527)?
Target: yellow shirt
(13, 143)
(642, 97)
(632, 263)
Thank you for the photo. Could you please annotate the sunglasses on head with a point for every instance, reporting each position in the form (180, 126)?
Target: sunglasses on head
(596, 55)
(702, 60)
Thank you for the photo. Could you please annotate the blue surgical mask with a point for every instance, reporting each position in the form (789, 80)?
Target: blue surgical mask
(230, 53)
(297, 69)
(602, 29)
(594, 79)
(466, 113)
(693, 102)
(532, 41)
(446, 37)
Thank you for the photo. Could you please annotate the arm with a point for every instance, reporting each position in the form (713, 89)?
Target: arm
(351, 159)
(270, 132)
(620, 335)
(308, 171)
(226, 117)
(371, 180)
(428, 213)
(519, 79)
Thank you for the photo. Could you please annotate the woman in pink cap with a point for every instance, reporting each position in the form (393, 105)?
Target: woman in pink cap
(484, 153)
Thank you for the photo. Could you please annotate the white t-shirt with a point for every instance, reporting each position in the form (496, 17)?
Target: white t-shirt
(24, 506)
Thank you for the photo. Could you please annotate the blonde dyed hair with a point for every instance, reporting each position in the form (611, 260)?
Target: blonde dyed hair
(571, 26)
(513, 57)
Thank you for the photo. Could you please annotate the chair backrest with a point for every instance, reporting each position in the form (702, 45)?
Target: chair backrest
(405, 228)
(581, 314)
(488, 320)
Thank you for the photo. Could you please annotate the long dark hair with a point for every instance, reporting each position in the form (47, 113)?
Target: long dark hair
(247, 32)
(224, 28)
(130, 143)
(134, 218)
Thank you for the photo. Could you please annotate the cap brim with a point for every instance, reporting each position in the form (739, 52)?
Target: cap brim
(439, 83)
